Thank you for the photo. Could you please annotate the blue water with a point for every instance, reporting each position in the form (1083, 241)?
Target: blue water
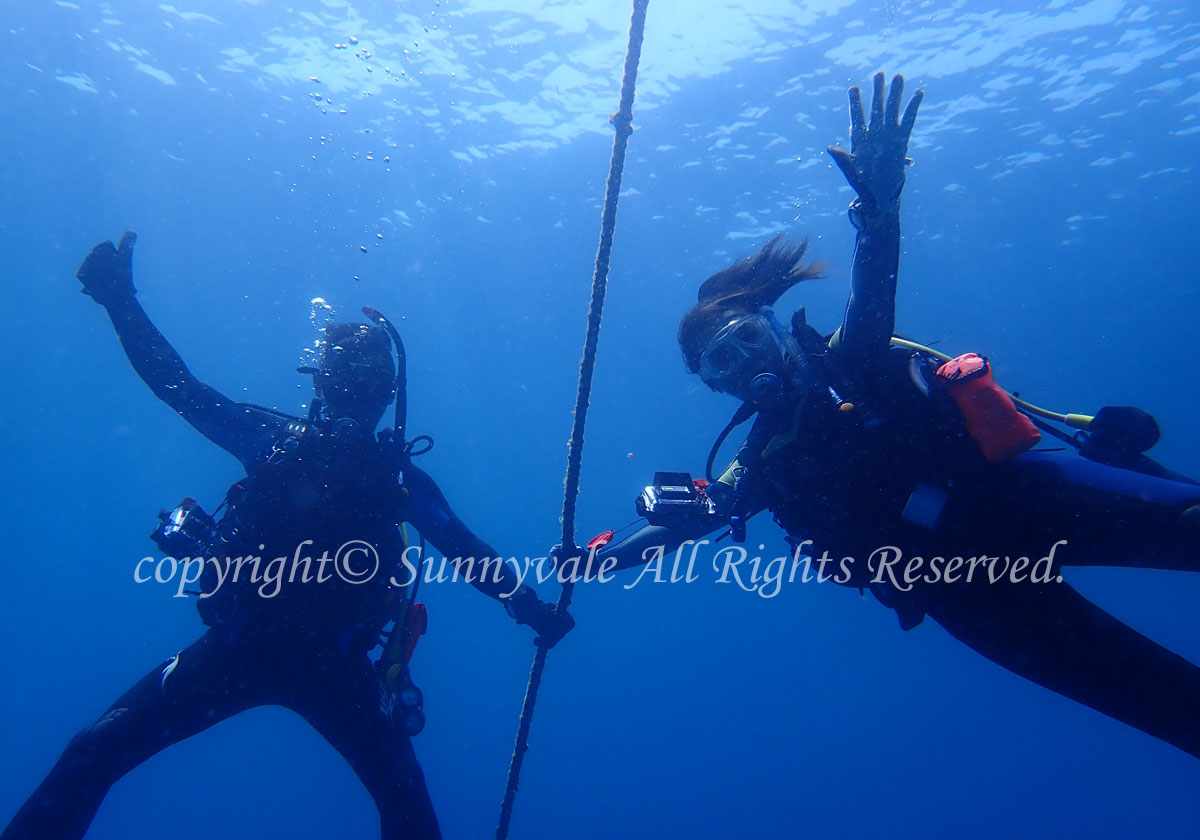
(1050, 221)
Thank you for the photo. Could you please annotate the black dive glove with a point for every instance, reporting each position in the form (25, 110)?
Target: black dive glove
(874, 166)
(527, 608)
(559, 556)
(107, 272)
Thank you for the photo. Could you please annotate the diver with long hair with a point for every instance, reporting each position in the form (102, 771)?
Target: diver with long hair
(322, 485)
(870, 451)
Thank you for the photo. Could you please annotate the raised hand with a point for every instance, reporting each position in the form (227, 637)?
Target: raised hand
(107, 272)
(874, 166)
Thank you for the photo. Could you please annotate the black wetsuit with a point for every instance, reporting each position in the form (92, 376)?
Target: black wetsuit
(305, 648)
(907, 479)
(901, 470)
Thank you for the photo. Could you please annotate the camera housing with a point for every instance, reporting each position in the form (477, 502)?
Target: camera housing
(674, 497)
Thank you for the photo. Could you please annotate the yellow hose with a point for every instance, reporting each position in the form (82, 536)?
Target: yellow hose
(1075, 421)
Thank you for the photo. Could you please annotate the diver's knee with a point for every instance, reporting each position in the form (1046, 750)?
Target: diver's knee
(96, 746)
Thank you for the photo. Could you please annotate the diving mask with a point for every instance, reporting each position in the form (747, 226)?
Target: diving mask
(742, 349)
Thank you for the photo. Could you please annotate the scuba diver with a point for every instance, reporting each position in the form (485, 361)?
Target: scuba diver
(872, 451)
(313, 485)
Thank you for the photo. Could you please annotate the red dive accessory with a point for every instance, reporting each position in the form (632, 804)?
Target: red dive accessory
(992, 419)
(415, 627)
(600, 540)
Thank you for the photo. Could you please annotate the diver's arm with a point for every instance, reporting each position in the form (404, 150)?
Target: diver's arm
(870, 317)
(107, 277)
(644, 545)
(874, 168)
(431, 514)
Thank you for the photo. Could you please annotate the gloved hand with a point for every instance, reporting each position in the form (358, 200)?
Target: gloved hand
(550, 625)
(874, 166)
(107, 272)
(560, 555)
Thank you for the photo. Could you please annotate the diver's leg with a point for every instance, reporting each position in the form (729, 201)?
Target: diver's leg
(1052, 635)
(347, 706)
(183, 696)
(1107, 516)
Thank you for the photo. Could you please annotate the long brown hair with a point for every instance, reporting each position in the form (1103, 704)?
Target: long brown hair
(742, 288)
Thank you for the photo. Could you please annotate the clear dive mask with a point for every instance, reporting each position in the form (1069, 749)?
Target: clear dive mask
(741, 350)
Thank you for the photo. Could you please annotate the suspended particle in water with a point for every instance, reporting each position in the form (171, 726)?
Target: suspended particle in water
(314, 79)
(362, 248)
(353, 40)
(379, 236)
(355, 278)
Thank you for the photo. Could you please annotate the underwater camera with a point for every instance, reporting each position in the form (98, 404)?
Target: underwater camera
(674, 497)
(185, 531)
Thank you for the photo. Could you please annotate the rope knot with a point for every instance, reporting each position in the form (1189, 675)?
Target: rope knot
(623, 122)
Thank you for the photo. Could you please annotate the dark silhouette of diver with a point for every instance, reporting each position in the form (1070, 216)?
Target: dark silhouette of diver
(860, 443)
(326, 479)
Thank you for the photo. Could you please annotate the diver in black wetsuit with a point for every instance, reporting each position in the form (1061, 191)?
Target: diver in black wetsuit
(327, 480)
(861, 444)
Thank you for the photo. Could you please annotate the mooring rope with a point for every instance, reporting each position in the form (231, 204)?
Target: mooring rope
(622, 120)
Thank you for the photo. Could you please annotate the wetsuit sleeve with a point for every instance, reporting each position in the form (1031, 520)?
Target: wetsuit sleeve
(870, 317)
(431, 514)
(214, 415)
